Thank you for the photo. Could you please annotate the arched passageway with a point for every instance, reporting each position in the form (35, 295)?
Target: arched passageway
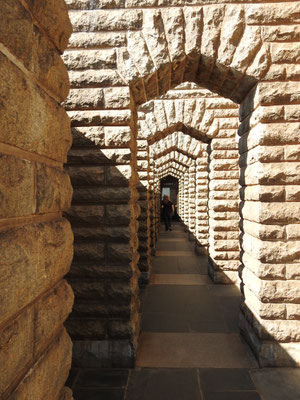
(140, 72)
(232, 66)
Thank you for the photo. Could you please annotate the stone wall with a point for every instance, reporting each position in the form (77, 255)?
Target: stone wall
(36, 243)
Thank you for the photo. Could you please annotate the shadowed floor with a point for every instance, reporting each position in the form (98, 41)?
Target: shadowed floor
(189, 347)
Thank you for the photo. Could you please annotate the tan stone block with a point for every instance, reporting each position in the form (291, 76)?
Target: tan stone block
(224, 255)
(47, 377)
(293, 271)
(217, 225)
(264, 232)
(224, 245)
(231, 34)
(292, 193)
(224, 154)
(89, 251)
(153, 29)
(86, 175)
(17, 189)
(97, 4)
(226, 195)
(271, 213)
(264, 193)
(117, 136)
(261, 63)
(173, 19)
(264, 310)
(91, 59)
(102, 117)
(293, 311)
(118, 175)
(271, 251)
(94, 78)
(223, 205)
(272, 13)
(247, 48)
(280, 33)
(293, 231)
(264, 270)
(16, 336)
(53, 17)
(106, 20)
(117, 97)
(45, 249)
(81, 99)
(46, 124)
(50, 313)
(285, 52)
(224, 165)
(53, 189)
(88, 137)
(93, 40)
(87, 214)
(35, 53)
(224, 175)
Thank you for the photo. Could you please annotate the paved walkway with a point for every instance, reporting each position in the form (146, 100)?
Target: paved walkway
(189, 347)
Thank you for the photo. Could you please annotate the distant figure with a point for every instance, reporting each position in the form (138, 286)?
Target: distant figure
(167, 212)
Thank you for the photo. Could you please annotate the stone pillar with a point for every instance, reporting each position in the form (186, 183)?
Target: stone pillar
(269, 159)
(192, 200)
(224, 253)
(201, 213)
(144, 236)
(186, 199)
(102, 163)
(36, 243)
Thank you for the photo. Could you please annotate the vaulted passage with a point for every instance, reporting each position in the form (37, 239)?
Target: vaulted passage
(101, 100)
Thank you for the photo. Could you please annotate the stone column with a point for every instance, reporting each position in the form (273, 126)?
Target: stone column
(186, 199)
(223, 208)
(36, 242)
(144, 236)
(192, 200)
(201, 213)
(103, 167)
(269, 159)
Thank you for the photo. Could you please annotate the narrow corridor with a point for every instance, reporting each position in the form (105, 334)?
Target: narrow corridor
(190, 347)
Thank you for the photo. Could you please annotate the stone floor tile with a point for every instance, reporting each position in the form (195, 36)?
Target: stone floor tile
(277, 383)
(164, 384)
(112, 378)
(220, 380)
(232, 396)
(98, 394)
(225, 290)
(192, 350)
(173, 253)
(179, 279)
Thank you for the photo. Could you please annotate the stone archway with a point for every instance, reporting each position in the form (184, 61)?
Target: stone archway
(252, 72)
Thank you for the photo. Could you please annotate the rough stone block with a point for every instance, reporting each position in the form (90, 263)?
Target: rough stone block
(91, 59)
(47, 377)
(16, 336)
(53, 189)
(50, 313)
(17, 189)
(46, 124)
(53, 17)
(35, 53)
(106, 20)
(45, 248)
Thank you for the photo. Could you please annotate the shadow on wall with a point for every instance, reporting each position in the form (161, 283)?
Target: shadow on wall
(104, 323)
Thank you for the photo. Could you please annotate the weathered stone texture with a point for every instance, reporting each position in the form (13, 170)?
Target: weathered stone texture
(36, 243)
